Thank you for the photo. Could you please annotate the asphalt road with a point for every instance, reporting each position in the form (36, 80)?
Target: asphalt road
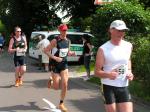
(81, 97)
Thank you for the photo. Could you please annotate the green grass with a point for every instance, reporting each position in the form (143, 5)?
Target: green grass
(94, 80)
(82, 68)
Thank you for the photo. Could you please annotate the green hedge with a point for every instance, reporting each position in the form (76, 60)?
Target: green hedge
(136, 18)
(141, 66)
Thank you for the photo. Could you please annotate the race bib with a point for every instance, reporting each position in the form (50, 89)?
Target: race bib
(122, 69)
(63, 52)
(20, 53)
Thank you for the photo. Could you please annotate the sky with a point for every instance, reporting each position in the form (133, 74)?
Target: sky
(62, 14)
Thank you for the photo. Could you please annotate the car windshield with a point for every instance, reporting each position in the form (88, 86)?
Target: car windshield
(75, 39)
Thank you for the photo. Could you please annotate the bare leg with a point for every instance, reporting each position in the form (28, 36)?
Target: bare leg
(64, 83)
(125, 107)
(110, 107)
(22, 71)
(64, 87)
(56, 81)
(46, 66)
(17, 72)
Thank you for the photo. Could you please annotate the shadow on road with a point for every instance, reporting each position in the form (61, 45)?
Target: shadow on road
(83, 104)
(32, 106)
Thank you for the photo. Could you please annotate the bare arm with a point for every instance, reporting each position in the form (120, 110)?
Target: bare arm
(26, 47)
(47, 50)
(90, 47)
(71, 53)
(99, 65)
(10, 48)
(130, 76)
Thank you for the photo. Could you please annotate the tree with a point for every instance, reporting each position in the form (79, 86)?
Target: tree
(145, 3)
(77, 8)
(137, 19)
(25, 14)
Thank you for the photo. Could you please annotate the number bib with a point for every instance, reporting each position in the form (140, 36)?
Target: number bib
(63, 52)
(20, 53)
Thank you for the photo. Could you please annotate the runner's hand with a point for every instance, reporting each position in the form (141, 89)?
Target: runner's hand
(113, 75)
(17, 49)
(71, 53)
(58, 59)
(130, 76)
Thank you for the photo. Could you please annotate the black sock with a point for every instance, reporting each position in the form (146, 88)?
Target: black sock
(61, 101)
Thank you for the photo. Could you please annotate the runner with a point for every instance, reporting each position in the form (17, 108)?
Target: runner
(113, 66)
(59, 78)
(18, 46)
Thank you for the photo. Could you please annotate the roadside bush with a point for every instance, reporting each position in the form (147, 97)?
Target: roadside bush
(141, 59)
(141, 66)
(2, 27)
(134, 15)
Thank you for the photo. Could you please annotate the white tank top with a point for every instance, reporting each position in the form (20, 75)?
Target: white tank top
(116, 57)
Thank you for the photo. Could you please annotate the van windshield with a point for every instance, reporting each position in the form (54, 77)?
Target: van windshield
(34, 40)
(75, 39)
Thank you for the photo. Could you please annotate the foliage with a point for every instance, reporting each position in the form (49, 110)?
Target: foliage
(83, 24)
(2, 27)
(95, 80)
(145, 3)
(141, 60)
(25, 13)
(136, 18)
(77, 8)
(138, 89)
(38, 14)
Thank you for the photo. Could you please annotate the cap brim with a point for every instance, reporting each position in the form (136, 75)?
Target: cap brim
(121, 28)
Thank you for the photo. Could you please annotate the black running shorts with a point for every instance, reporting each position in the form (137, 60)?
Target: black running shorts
(58, 67)
(19, 61)
(114, 94)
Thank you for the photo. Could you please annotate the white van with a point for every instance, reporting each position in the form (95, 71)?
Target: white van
(76, 43)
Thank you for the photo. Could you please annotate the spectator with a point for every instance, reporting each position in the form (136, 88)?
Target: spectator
(43, 43)
(2, 41)
(87, 51)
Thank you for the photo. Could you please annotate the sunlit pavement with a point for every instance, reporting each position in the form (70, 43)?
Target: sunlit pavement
(82, 96)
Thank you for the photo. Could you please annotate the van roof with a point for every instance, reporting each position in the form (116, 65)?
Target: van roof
(54, 32)
(57, 32)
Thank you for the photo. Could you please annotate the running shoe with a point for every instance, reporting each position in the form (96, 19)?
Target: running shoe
(62, 107)
(86, 78)
(17, 83)
(20, 81)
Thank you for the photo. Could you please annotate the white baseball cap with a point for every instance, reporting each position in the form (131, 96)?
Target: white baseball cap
(119, 25)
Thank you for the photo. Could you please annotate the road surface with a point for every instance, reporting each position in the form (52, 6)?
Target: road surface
(81, 97)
